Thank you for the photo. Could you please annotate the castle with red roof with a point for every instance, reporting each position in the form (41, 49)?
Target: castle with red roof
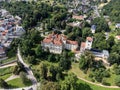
(55, 43)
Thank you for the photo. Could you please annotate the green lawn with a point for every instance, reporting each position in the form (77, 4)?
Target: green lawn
(17, 83)
(5, 71)
(4, 77)
(75, 69)
(86, 86)
(8, 60)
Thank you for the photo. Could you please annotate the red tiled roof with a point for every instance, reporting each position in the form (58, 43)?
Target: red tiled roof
(47, 40)
(57, 42)
(72, 42)
(6, 31)
(78, 17)
(83, 44)
(3, 33)
(89, 38)
(118, 37)
(57, 39)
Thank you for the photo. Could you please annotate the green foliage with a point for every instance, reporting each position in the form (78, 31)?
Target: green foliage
(24, 78)
(46, 85)
(86, 61)
(100, 42)
(101, 24)
(70, 82)
(112, 9)
(3, 84)
(114, 58)
(86, 32)
(43, 70)
(65, 63)
(105, 83)
(117, 81)
(116, 69)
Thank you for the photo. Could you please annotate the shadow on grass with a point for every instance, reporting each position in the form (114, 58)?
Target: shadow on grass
(82, 86)
(12, 86)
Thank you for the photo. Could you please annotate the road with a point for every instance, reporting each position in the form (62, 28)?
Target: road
(29, 71)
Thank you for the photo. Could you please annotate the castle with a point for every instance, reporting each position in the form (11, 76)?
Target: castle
(56, 43)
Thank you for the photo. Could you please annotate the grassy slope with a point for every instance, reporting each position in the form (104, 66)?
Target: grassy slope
(75, 69)
(17, 83)
(87, 86)
(8, 60)
(5, 76)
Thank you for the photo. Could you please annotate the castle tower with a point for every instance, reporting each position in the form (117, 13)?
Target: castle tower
(89, 41)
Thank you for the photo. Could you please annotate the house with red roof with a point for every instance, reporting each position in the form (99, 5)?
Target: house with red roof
(55, 43)
(86, 45)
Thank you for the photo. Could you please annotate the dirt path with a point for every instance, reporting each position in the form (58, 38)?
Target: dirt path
(96, 83)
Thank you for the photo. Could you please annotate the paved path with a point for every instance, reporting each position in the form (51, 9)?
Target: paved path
(8, 65)
(12, 77)
(29, 71)
(3, 58)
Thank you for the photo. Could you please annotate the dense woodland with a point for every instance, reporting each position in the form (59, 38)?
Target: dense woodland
(113, 10)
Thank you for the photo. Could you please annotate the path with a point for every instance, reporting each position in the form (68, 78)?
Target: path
(12, 77)
(29, 71)
(8, 65)
(95, 83)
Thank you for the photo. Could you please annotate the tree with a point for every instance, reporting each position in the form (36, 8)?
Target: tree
(101, 25)
(86, 60)
(116, 69)
(45, 85)
(111, 41)
(31, 60)
(65, 63)
(38, 51)
(53, 71)
(43, 70)
(51, 58)
(114, 58)
(24, 78)
(70, 82)
(117, 81)
(100, 42)
(86, 32)
(3, 84)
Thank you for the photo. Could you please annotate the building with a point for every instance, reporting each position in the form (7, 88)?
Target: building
(86, 45)
(93, 28)
(118, 37)
(2, 52)
(100, 53)
(75, 24)
(80, 17)
(3, 12)
(55, 43)
(117, 25)
(89, 41)
(19, 30)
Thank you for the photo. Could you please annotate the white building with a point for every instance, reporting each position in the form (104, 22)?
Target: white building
(93, 28)
(117, 25)
(19, 30)
(88, 43)
(55, 43)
